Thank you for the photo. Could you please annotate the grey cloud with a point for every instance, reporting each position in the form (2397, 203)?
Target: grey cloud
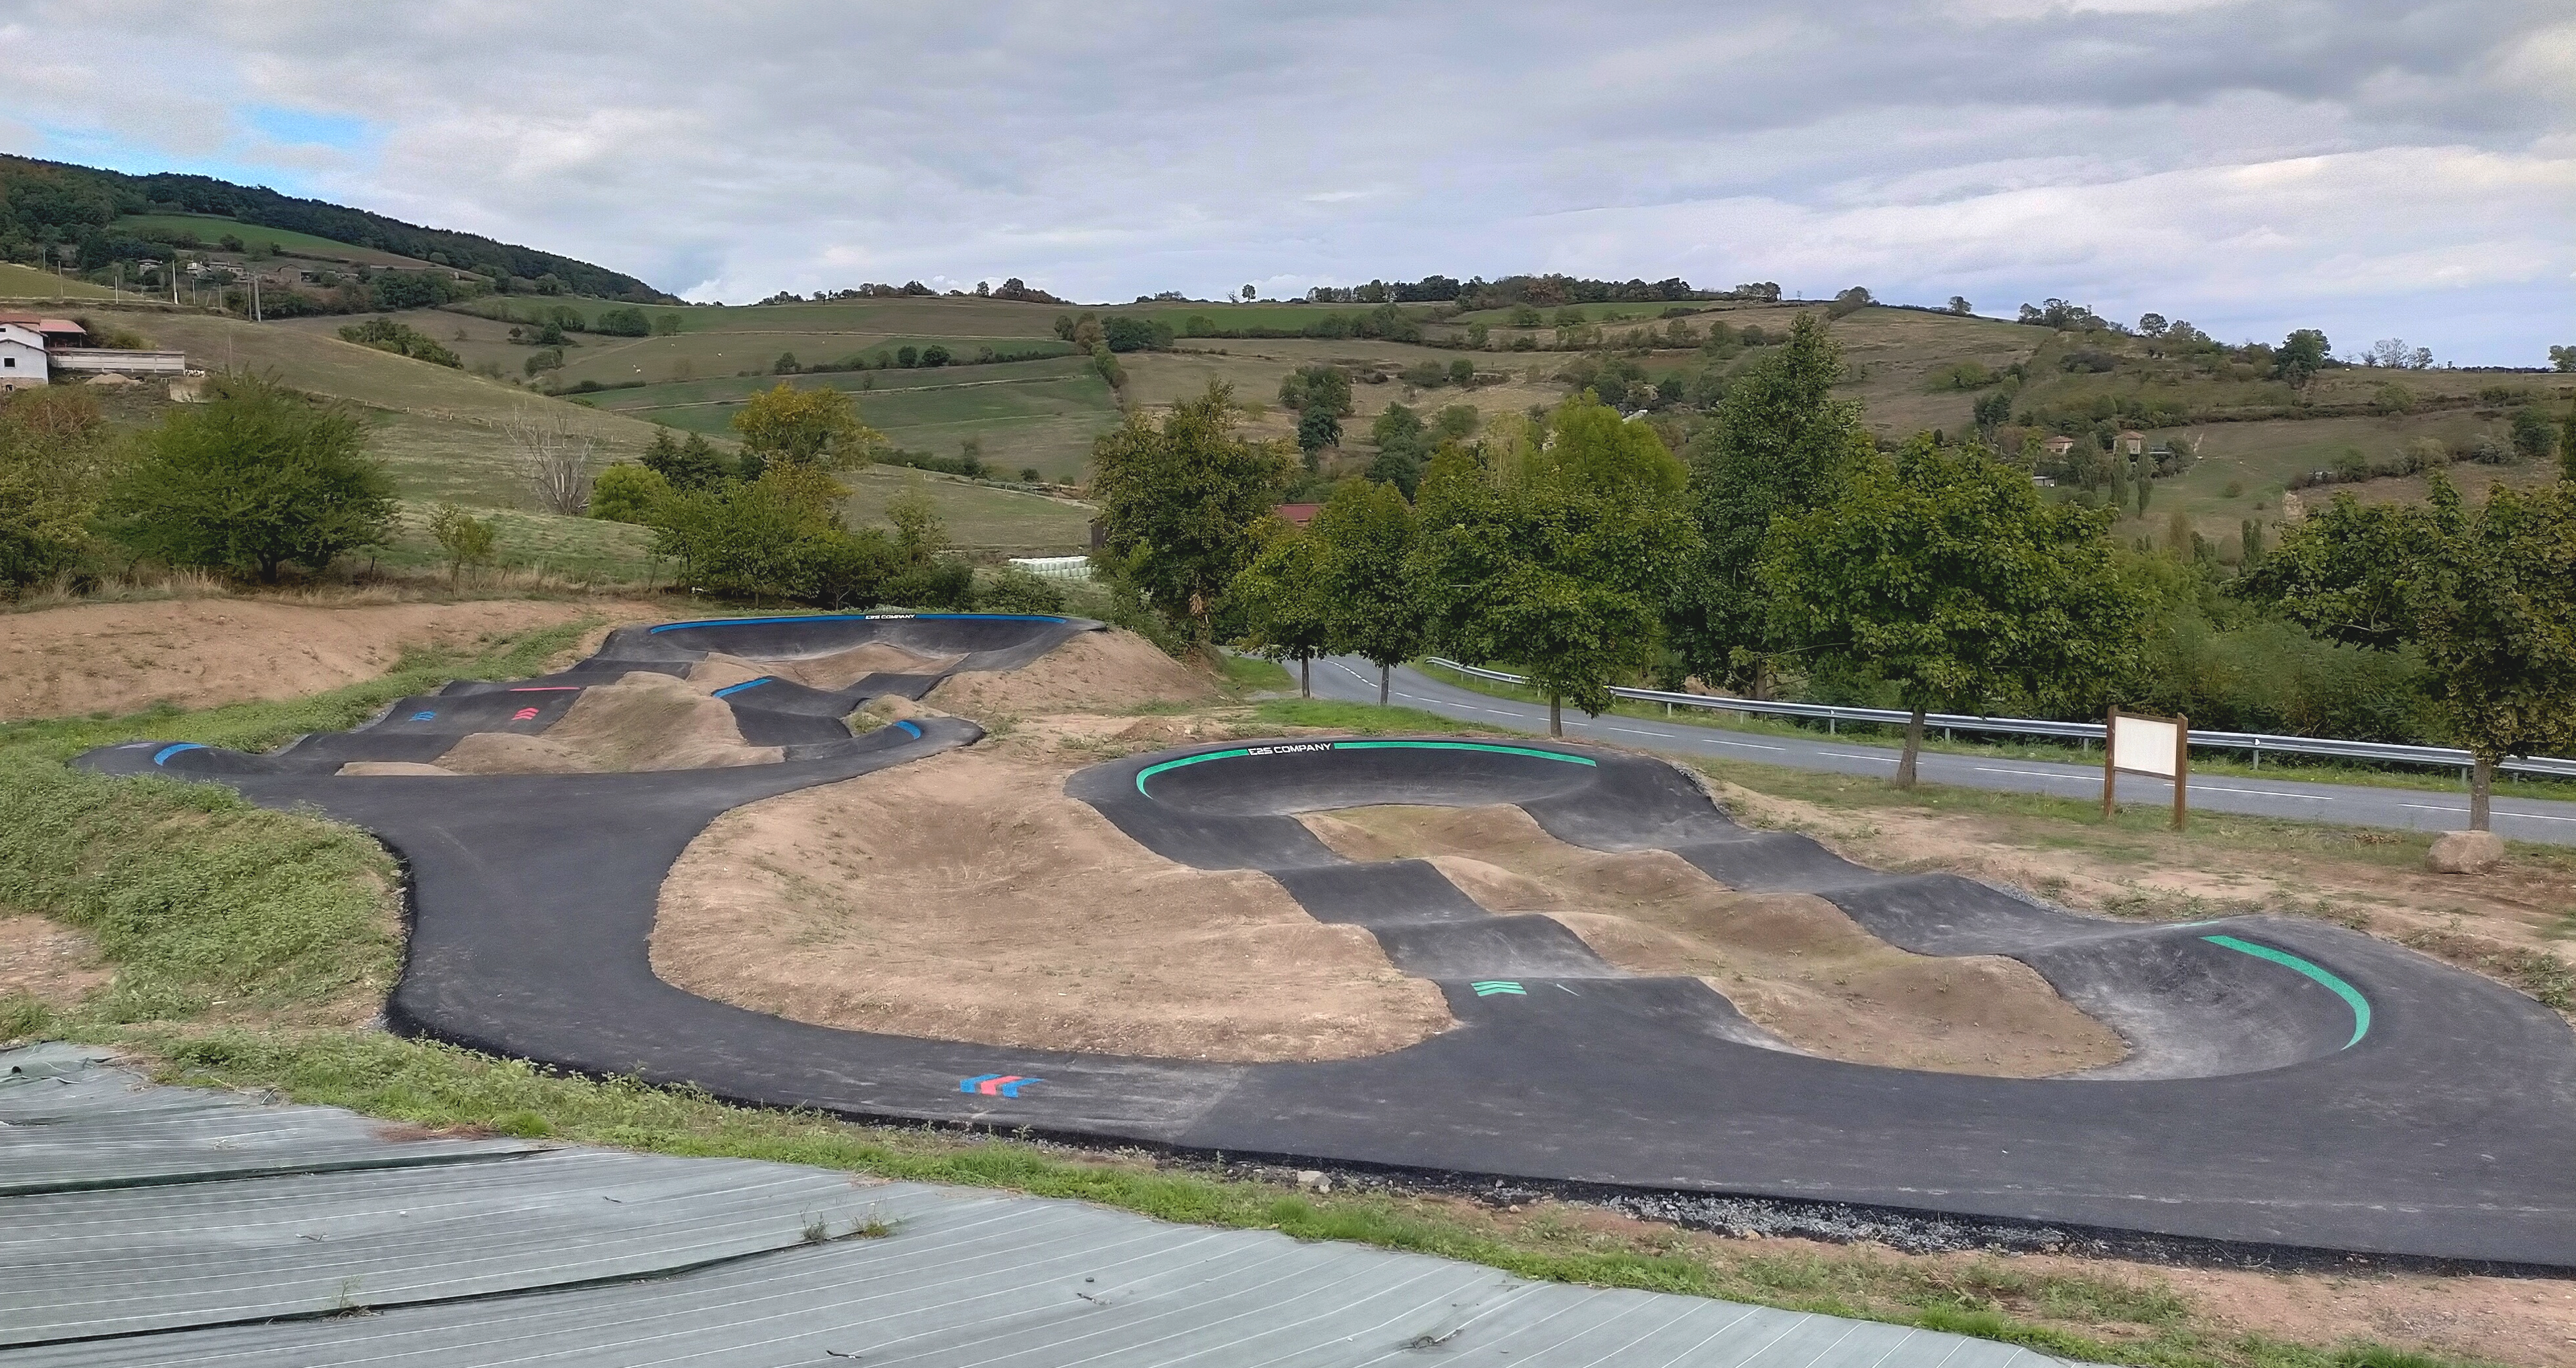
(2144, 155)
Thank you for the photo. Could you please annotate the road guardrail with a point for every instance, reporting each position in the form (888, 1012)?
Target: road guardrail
(2259, 743)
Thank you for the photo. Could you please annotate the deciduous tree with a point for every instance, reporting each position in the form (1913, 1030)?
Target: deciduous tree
(1781, 444)
(56, 461)
(2488, 596)
(1178, 497)
(814, 427)
(1363, 535)
(1944, 571)
(1523, 561)
(1283, 598)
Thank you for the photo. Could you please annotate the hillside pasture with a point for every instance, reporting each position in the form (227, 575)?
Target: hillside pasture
(916, 316)
(1896, 355)
(2257, 460)
(1254, 367)
(213, 228)
(28, 282)
(980, 518)
(1041, 414)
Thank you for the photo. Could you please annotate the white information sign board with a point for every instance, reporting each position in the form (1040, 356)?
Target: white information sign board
(2145, 745)
(2158, 746)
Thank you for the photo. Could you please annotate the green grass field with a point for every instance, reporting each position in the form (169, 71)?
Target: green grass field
(27, 282)
(980, 518)
(441, 433)
(1033, 414)
(1593, 313)
(211, 229)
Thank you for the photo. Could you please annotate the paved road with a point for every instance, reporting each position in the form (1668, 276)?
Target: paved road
(2522, 819)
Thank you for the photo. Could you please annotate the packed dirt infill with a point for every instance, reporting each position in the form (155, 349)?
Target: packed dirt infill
(644, 721)
(1103, 671)
(1794, 963)
(964, 897)
(199, 653)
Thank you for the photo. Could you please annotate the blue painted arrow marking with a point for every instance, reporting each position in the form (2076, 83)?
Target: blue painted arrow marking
(423, 716)
(1006, 1085)
(1490, 987)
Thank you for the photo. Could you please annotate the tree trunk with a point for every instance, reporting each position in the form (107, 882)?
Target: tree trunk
(1305, 676)
(2481, 788)
(1555, 714)
(1913, 748)
(1383, 681)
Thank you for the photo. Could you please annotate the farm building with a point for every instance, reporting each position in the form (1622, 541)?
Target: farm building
(33, 349)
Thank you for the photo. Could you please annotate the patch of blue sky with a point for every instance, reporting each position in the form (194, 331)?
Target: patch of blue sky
(310, 128)
(114, 151)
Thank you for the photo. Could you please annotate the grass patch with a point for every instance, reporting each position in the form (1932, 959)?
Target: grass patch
(1367, 719)
(1250, 673)
(202, 900)
(28, 282)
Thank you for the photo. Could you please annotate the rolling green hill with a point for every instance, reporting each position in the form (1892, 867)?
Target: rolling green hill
(443, 434)
(211, 229)
(42, 201)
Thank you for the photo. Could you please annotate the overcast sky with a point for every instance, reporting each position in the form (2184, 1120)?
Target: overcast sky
(2373, 168)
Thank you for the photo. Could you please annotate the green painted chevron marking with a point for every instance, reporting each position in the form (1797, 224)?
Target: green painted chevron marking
(2352, 996)
(1304, 747)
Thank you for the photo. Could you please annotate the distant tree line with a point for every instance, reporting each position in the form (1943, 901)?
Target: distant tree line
(44, 203)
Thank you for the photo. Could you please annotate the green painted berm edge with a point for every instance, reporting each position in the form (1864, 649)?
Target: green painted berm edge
(2352, 996)
(1151, 770)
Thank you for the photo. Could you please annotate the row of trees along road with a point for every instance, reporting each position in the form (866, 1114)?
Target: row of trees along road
(1580, 550)
(2488, 595)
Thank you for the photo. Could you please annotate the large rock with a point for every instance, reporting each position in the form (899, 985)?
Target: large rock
(2465, 852)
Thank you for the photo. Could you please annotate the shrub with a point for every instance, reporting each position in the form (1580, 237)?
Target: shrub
(384, 334)
(627, 493)
(255, 478)
(623, 322)
(941, 585)
(1015, 590)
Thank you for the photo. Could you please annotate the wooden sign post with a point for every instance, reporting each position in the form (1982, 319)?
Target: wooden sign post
(2158, 746)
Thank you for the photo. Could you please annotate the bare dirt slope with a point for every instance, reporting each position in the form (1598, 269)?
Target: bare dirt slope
(965, 897)
(1792, 962)
(644, 721)
(1094, 672)
(53, 963)
(197, 653)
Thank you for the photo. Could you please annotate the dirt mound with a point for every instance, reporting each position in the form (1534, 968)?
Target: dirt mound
(834, 672)
(197, 653)
(1093, 672)
(644, 721)
(965, 897)
(1792, 962)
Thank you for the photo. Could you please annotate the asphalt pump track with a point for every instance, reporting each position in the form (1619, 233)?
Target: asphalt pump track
(2289, 1084)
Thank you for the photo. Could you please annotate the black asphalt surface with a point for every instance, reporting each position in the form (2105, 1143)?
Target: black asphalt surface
(2521, 819)
(2290, 1083)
